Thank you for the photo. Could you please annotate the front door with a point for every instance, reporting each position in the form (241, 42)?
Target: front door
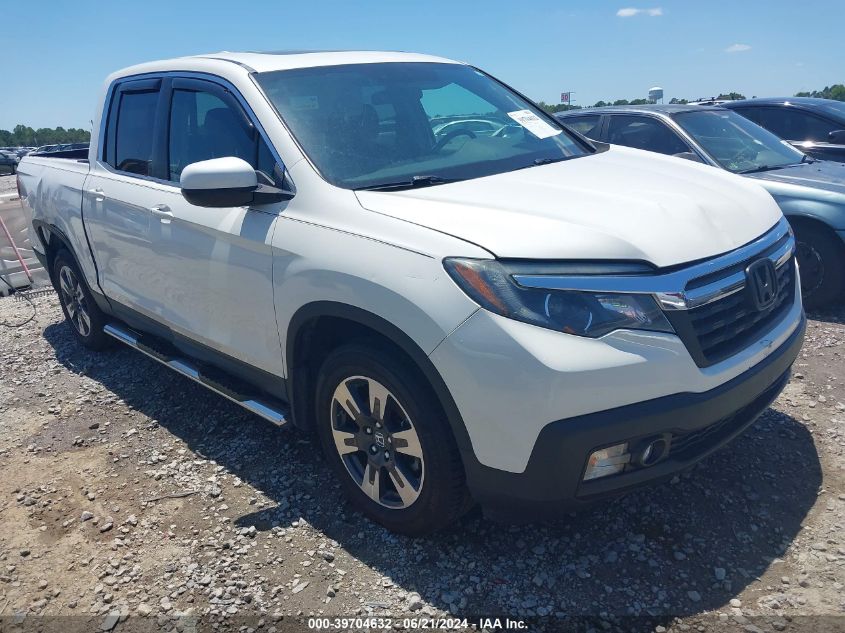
(213, 266)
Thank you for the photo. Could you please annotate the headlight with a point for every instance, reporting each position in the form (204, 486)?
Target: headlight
(591, 314)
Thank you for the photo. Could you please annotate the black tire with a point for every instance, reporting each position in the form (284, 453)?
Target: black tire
(76, 301)
(442, 496)
(821, 259)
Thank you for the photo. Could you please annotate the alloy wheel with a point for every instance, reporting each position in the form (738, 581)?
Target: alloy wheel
(73, 297)
(377, 442)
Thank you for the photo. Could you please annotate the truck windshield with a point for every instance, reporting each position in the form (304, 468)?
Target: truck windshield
(386, 125)
(737, 144)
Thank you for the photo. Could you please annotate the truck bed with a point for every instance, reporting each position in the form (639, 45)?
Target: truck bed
(54, 185)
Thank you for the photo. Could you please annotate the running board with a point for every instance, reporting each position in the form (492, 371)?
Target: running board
(212, 378)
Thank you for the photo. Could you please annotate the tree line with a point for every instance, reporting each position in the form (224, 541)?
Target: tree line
(836, 91)
(562, 107)
(25, 136)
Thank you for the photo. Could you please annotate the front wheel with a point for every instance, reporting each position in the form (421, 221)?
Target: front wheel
(821, 260)
(387, 440)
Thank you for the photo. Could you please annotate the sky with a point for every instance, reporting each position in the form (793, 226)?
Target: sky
(61, 51)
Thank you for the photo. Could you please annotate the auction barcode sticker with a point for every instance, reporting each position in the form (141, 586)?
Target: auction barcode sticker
(533, 123)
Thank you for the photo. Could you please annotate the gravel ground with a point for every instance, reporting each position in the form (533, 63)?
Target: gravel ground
(7, 184)
(129, 496)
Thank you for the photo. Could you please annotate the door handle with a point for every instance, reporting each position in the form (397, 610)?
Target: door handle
(98, 194)
(163, 212)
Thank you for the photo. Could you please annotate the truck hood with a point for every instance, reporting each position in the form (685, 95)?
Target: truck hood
(821, 175)
(621, 204)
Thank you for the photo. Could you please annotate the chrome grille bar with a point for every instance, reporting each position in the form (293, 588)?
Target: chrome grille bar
(670, 289)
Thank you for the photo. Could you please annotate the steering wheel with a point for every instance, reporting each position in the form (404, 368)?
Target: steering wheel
(505, 130)
(439, 145)
(746, 154)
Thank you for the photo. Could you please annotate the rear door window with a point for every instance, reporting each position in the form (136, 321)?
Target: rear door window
(132, 132)
(587, 125)
(648, 133)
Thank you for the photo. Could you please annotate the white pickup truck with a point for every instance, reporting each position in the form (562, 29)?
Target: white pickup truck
(464, 300)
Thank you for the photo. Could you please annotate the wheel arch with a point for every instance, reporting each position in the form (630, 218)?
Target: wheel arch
(825, 213)
(53, 239)
(797, 220)
(354, 323)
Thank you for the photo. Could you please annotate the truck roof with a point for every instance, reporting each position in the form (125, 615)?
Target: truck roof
(282, 60)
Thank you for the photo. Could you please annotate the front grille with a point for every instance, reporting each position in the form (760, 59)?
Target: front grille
(719, 329)
(727, 325)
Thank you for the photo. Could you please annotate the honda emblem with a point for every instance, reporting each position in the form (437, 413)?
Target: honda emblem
(761, 279)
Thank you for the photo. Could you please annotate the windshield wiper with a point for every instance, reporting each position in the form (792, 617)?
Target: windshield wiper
(547, 161)
(415, 181)
(754, 170)
(770, 167)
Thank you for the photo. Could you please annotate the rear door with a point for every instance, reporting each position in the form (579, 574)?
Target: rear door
(121, 189)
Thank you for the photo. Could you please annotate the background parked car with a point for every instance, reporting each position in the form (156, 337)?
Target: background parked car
(815, 126)
(811, 193)
(8, 161)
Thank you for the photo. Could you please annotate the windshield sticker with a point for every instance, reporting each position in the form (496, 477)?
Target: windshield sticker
(304, 102)
(534, 124)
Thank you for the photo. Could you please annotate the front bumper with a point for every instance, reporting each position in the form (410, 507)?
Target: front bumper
(698, 423)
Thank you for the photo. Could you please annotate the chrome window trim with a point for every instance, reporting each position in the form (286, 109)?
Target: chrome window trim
(669, 289)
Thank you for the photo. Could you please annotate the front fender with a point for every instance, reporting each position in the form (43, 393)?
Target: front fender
(829, 212)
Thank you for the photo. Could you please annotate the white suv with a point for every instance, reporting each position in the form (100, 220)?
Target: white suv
(514, 315)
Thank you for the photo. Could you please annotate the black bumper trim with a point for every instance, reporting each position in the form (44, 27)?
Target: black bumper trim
(552, 481)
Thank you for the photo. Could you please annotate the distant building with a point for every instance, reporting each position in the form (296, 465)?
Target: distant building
(655, 94)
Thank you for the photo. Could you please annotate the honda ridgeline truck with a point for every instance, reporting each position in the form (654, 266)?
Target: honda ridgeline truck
(464, 300)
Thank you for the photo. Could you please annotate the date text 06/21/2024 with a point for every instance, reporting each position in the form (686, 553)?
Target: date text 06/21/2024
(449, 624)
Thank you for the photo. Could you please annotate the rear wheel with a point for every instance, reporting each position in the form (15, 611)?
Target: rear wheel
(821, 259)
(387, 441)
(81, 312)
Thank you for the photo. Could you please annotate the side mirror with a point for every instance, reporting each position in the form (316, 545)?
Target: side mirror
(226, 182)
(837, 137)
(689, 156)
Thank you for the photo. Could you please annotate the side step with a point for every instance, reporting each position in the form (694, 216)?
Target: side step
(212, 378)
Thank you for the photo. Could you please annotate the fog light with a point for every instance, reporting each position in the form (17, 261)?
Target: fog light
(652, 453)
(607, 461)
